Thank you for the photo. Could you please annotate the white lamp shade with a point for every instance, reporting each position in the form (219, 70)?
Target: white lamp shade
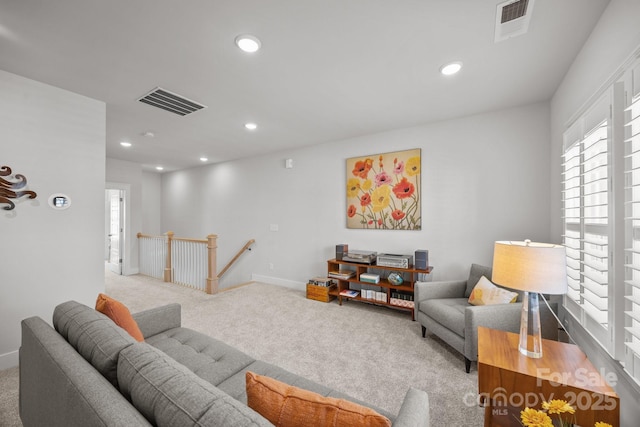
(529, 266)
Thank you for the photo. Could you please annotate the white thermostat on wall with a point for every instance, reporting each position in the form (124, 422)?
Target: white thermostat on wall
(59, 201)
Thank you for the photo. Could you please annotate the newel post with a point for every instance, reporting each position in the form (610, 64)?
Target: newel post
(212, 279)
(167, 269)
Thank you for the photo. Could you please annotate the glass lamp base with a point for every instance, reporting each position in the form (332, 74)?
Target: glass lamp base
(530, 334)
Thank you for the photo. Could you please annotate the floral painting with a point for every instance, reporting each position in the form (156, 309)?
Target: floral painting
(383, 191)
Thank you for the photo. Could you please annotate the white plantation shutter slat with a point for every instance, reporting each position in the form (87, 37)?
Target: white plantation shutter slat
(632, 233)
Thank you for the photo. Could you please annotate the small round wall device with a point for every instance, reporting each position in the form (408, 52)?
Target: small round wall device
(59, 201)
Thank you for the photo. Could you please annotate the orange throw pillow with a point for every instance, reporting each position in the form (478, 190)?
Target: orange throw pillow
(120, 314)
(287, 406)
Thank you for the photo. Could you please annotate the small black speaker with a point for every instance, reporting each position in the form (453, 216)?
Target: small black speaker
(421, 259)
(341, 250)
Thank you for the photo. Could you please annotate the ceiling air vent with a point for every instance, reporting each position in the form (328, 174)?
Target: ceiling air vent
(170, 101)
(512, 18)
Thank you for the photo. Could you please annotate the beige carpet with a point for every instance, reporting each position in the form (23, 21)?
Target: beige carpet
(371, 353)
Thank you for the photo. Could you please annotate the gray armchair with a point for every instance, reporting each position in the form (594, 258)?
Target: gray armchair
(442, 308)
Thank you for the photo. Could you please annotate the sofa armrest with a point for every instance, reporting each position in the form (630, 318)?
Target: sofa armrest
(414, 411)
(438, 290)
(58, 388)
(159, 319)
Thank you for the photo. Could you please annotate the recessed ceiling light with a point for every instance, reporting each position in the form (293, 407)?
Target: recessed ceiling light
(251, 126)
(125, 144)
(159, 168)
(451, 69)
(248, 43)
(203, 159)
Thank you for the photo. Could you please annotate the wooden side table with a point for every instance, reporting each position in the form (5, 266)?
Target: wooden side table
(508, 381)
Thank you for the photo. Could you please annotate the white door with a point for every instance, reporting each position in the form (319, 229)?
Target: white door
(115, 238)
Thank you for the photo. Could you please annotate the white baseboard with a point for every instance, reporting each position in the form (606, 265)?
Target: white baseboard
(8, 360)
(291, 284)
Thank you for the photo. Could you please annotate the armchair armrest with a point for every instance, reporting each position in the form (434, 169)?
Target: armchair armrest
(505, 317)
(414, 411)
(159, 319)
(438, 290)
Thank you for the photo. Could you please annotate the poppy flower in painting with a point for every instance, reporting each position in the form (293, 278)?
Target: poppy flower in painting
(397, 214)
(398, 168)
(403, 189)
(381, 198)
(382, 178)
(351, 211)
(365, 200)
(353, 185)
(362, 168)
(413, 166)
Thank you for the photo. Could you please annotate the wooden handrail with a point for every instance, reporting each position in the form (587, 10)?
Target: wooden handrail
(139, 235)
(235, 258)
(184, 239)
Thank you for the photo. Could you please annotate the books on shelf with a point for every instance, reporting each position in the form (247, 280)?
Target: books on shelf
(370, 278)
(374, 295)
(349, 293)
(342, 274)
(402, 299)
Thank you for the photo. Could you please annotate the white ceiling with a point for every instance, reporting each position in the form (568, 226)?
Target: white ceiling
(327, 70)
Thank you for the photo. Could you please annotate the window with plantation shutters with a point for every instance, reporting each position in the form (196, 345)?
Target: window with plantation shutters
(632, 226)
(586, 212)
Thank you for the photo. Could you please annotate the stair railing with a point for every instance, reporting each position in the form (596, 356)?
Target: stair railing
(183, 261)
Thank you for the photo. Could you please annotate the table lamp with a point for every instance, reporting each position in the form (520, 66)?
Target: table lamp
(533, 268)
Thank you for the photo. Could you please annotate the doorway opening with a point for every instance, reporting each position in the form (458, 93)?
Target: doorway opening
(114, 229)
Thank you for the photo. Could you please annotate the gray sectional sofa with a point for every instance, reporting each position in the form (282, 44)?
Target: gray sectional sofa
(90, 372)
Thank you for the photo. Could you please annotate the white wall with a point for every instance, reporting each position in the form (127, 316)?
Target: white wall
(151, 204)
(484, 178)
(57, 140)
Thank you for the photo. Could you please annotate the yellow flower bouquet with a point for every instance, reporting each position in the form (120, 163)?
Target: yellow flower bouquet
(559, 409)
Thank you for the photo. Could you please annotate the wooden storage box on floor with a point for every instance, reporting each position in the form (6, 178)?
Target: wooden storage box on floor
(320, 293)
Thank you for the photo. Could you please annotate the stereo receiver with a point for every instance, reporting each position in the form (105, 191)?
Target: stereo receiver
(396, 261)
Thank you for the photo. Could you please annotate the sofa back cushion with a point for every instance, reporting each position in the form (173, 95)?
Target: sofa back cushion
(93, 335)
(169, 394)
(475, 274)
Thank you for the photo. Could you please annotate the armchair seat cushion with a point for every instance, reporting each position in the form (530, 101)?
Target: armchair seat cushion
(449, 312)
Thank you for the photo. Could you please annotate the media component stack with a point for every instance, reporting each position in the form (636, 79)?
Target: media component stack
(378, 278)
